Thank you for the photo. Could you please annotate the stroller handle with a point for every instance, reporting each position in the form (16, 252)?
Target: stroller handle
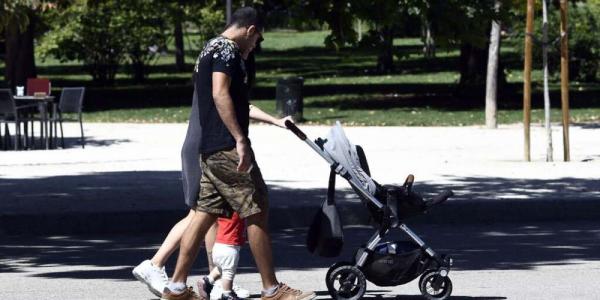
(291, 126)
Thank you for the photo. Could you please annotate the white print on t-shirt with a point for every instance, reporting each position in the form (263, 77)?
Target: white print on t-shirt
(221, 48)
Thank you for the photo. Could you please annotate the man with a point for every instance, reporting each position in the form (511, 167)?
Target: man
(231, 179)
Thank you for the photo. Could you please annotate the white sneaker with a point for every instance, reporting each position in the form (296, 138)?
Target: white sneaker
(240, 291)
(217, 291)
(156, 279)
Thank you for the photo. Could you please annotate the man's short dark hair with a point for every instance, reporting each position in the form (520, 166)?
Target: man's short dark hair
(246, 17)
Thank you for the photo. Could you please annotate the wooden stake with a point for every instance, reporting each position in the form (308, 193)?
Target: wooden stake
(527, 78)
(564, 77)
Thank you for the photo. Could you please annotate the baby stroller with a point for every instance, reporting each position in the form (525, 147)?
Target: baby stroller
(382, 263)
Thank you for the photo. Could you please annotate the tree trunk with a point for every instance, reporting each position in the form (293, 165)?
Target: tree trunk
(179, 47)
(137, 65)
(19, 59)
(385, 59)
(472, 65)
(427, 38)
(139, 74)
(491, 86)
(564, 77)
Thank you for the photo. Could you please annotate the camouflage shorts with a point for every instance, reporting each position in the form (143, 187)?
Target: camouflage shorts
(224, 189)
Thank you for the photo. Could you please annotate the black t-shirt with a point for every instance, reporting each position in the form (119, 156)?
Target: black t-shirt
(220, 55)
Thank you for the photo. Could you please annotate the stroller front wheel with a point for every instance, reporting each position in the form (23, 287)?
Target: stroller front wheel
(434, 286)
(346, 282)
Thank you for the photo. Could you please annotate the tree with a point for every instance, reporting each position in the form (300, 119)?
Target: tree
(178, 19)
(465, 23)
(92, 35)
(148, 37)
(105, 35)
(491, 86)
(176, 14)
(18, 21)
(385, 17)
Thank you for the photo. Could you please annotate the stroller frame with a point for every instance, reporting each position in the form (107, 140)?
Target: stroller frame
(435, 275)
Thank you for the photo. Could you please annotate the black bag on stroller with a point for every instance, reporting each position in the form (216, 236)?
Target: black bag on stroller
(325, 236)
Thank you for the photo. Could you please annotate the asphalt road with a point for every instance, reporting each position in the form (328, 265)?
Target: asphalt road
(541, 260)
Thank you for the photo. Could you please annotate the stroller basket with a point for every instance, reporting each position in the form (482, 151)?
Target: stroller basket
(394, 263)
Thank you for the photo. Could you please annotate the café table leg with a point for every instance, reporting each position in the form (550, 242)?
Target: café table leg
(45, 117)
(54, 132)
(41, 110)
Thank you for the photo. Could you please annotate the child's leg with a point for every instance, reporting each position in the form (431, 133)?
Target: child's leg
(214, 275)
(226, 257)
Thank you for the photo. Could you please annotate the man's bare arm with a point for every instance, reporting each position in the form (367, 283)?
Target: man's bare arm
(259, 115)
(224, 105)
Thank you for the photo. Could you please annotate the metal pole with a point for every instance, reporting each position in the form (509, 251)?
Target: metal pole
(527, 78)
(546, 88)
(228, 11)
(564, 77)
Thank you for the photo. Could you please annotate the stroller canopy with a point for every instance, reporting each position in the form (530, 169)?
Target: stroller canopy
(339, 148)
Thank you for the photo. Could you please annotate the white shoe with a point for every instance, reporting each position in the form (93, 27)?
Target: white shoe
(217, 291)
(240, 291)
(156, 279)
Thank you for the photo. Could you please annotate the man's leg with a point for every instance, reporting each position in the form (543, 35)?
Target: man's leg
(209, 242)
(260, 244)
(190, 244)
(152, 272)
(171, 242)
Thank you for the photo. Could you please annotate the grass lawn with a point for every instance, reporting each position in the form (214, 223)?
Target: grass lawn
(338, 85)
(355, 117)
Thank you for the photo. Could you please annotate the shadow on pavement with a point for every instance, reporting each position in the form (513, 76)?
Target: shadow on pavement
(479, 246)
(75, 142)
(151, 201)
(502, 246)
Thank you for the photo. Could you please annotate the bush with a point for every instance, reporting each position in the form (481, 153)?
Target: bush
(583, 35)
(104, 35)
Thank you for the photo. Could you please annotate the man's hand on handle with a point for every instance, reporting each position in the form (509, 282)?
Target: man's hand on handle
(281, 122)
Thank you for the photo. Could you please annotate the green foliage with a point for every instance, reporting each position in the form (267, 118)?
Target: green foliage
(583, 36)
(147, 33)
(104, 35)
(584, 40)
(16, 11)
(93, 35)
(209, 20)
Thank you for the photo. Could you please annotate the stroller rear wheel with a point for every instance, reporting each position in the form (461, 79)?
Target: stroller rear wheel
(346, 282)
(434, 286)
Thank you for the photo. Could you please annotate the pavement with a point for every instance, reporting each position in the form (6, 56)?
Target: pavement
(516, 260)
(127, 179)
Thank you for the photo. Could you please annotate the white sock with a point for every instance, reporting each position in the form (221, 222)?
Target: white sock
(176, 287)
(271, 291)
(210, 279)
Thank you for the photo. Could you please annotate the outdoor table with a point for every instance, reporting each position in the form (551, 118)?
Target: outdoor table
(43, 103)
